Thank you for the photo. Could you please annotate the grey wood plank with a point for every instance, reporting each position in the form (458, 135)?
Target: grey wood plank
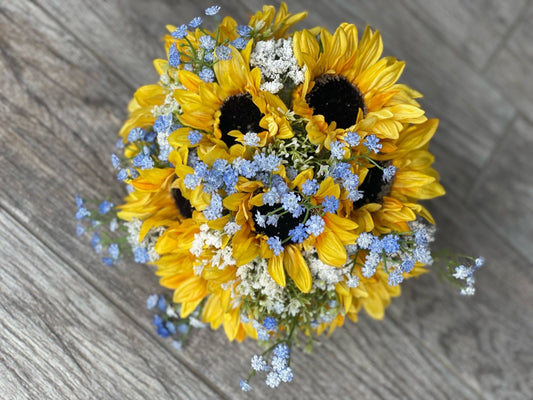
(473, 29)
(62, 339)
(129, 34)
(472, 112)
(504, 191)
(512, 67)
(487, 338)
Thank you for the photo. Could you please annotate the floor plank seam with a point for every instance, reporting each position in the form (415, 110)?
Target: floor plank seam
(507, 131)
(150, 333)
(85, 45)
(445, 362)
(522, 15)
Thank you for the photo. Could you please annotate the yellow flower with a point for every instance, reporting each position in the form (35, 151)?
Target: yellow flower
(349, 87)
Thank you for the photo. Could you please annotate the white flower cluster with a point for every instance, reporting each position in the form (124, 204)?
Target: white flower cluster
(209, 241)
(275, 59)
(149, 241)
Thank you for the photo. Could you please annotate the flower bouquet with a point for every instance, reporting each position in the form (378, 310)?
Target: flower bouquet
(274, 181)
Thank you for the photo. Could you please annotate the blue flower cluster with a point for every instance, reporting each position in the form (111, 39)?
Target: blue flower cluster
(101, 221)
(277, 369)
(167, 321)
(201, 60)
(397, 253)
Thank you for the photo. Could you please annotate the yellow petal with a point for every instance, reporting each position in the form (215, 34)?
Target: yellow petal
(297, 268)
(276, 271)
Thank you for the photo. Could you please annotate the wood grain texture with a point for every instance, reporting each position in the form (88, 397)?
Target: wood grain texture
(61, 339)
(68, 73)
(505, 189)
(511, 68)
(473, 29)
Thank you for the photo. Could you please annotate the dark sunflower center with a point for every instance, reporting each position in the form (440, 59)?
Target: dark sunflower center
(334, 97)
(373, 187)
(286, 222)
(239, 112)
(182, 204)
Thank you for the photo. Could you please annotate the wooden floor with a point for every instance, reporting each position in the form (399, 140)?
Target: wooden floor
(72, 328)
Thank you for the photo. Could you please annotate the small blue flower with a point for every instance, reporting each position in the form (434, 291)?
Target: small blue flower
(108, 261)
(113, 225)
(337, 150)
(207, 75)
(105, 207)
(251, 139)
(273, 380)
(207, 42)
(136, 134)
(278, 363)
(310, 187)
(298, 233)
(82, 212)
(194, 137)
(119, 144)
(291, 203)
(275, 245)
(260, 219)
(160, 325)
(209, 57)
(421, 237)
(162, 123)
(114, 251)
(364, 240)
(407, 265)
(123, 175)
(352, 281)
(270, 323)
(223, 53)
(271, 197)
(151, 301)
(182, 328)
(174, 59)
(150, 136)
(195, 22)
(213, 10)
(244, 30)
(162, 303)
(214, 210)
(388, 173)
(180, 32)
(395, 277)
(272, 219)
(462, 272)
(170, 327)
(376, 246)
(79, 201)
(239, 43)
(371, 142)
(115, 161)
(95, 243)
(178, 345)
(140, 255)
(352, 139)
(282, 351)
(258, 363)
(390, 244)
(479, 262)
(80, 230)
(330, 204)
(245, 386)
(286, 375)
(191, 181)
(315, 225)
